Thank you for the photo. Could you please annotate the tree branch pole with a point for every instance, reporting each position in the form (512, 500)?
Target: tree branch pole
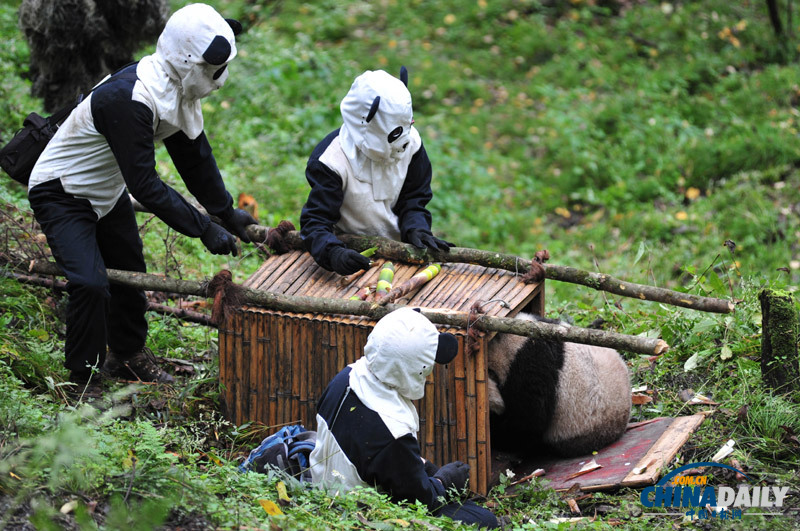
(403, 252)
(181, 313)
(304, 304)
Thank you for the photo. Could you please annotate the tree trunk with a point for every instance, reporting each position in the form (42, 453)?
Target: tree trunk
(304, 304)
(779, 323)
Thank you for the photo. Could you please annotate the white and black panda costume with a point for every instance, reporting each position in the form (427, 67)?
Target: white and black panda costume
(79, 187)
(367, 424)
(565, 397)
(371, 176)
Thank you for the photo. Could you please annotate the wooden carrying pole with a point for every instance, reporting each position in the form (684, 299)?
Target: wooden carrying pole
(403, 252)
(305, 304)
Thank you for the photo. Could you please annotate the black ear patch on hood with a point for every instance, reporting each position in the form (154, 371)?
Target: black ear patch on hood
(218, 51)
(235, 25)
(447, 349)
(374, 108)
(404, 75)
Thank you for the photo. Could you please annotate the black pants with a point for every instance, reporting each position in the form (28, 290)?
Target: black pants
(469, 513)
(98, 315)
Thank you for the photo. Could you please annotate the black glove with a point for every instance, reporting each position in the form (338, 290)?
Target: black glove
(453, 474)
(346, 261)
(236, 222)
(431, 468)
(421, 238)
(218, 240)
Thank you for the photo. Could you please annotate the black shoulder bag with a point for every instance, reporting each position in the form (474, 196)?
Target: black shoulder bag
(19, 156)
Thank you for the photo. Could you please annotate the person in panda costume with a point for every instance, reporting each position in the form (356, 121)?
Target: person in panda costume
(544, 394)
(371, 176)
(79, 187)
(367, 424)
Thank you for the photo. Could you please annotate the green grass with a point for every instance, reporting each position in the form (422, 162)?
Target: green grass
(633, 143)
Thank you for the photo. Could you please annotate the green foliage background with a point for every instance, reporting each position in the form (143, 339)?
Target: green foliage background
(633, 142)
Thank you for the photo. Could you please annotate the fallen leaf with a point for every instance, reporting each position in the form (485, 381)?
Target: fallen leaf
(68, 507)
(130, 460)
(725, 353)
(638, 399)
(270, 508)
(573, 506)
(283, 496)
(249, 204)
(735, 464)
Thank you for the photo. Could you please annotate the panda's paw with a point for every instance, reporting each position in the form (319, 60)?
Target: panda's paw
(496, 403)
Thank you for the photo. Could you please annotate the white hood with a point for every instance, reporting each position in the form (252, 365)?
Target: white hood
(190, 62)
(398, 357)
(366, 144)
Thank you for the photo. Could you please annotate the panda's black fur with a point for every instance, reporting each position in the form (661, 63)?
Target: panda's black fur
(544, 394)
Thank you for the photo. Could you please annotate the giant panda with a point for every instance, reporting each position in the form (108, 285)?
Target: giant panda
(545, 394)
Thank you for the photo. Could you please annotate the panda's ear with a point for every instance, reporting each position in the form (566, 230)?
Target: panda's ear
(404, 75)
(374, 108)
(447, 348)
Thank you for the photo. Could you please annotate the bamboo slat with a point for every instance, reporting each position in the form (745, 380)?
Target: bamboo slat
(262, 352)
(242, 377)
(447, 279)
(297, 367)
(427, 424)
(225, 372)
(272, 389)
(482, 414)
(472, 419)
(439, 402)
(460, 377)
(452, 424)
(250, 361)
(274, 276)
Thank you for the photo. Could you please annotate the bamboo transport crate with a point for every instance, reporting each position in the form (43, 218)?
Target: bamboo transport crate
(275, 365)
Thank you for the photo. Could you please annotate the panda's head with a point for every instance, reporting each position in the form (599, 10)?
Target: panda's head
(378, 115)
(197, 44)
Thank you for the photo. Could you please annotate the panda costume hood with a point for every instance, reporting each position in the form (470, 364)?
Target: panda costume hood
(377, 128)
(191, 59)
(398, 357)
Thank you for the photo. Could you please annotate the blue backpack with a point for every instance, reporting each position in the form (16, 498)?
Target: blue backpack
(287, 450)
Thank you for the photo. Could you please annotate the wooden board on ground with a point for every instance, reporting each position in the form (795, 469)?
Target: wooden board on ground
(636, 460)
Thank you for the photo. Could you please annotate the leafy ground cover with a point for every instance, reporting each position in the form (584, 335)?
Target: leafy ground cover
(634, 140)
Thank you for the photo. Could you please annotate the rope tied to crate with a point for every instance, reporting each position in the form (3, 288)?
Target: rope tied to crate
(536, 271)
(227, 296)
(476, 311)
(276, 237)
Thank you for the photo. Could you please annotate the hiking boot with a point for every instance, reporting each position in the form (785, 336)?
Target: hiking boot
(84, 385)
(141, 366)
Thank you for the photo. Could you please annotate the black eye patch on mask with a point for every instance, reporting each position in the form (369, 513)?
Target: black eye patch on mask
(218, 51)
(219, 72)
(395, 134)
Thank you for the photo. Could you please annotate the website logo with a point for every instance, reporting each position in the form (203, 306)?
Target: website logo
(695, 496)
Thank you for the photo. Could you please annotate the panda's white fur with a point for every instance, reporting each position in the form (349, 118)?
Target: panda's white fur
(569, 397)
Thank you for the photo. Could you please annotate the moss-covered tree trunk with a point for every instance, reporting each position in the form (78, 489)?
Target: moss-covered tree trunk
(779, 362)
